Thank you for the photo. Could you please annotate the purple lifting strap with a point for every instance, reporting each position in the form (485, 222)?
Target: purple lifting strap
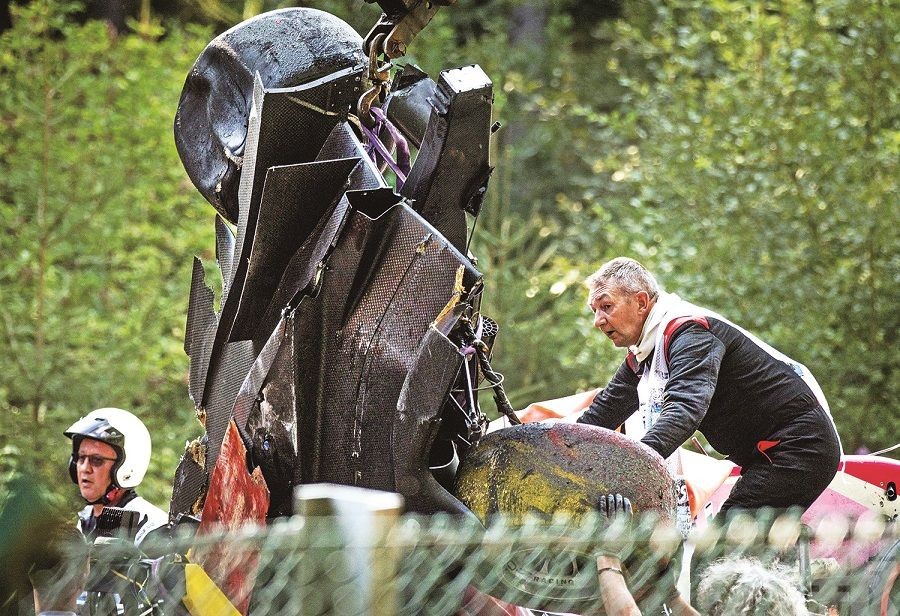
(376, 148)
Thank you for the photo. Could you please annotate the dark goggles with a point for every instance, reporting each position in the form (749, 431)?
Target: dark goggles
(93, 459)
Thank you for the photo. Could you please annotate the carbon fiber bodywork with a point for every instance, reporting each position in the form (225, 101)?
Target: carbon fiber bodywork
(337, 349)
(451, 172)
(280, 49)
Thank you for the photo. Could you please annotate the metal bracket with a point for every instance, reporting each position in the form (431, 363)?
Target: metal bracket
(400, 24)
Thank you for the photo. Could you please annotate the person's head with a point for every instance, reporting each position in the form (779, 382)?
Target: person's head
(621, 294)
(110, 451)
(747, 587)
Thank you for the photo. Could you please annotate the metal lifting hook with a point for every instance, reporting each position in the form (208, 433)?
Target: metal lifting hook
(379, 75)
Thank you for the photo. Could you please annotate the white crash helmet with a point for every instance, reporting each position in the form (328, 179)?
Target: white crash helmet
(125, 433)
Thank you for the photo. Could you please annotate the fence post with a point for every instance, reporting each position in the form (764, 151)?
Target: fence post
(350, 528)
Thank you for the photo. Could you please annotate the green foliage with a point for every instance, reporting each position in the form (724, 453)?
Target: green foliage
(223, 14)
(99, 226)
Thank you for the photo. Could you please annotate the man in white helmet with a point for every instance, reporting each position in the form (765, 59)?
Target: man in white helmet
(110, 455)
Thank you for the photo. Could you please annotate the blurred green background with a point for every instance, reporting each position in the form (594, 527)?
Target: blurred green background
(746, 152)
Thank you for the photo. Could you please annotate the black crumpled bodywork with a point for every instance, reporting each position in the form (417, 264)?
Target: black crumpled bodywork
(281, 49)
(337, 349)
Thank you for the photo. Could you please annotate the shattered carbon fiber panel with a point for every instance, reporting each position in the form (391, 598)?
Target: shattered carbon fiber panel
(342, 143)
(435, 367)
(226, 376)
(247, 400)
(191, 480)
(294, 199)
(224, 252)
(388, 278)
(284, 129)
(302, 271)
(452, 169)
(200, 328)
(273, 432)
(264, 415)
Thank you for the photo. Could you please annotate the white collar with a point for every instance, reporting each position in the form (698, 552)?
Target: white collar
(643, 349)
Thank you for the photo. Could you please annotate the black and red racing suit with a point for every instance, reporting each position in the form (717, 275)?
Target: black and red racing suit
(749, 405)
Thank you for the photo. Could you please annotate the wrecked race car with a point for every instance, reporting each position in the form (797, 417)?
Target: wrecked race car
(349, 345)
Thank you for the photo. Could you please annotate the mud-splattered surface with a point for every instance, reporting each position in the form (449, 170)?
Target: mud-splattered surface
(236, 497)
(544, 469)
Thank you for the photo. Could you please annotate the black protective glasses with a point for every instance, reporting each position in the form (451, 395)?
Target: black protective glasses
(93, 459)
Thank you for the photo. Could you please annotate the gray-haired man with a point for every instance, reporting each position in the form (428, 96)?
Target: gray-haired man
(688, 369)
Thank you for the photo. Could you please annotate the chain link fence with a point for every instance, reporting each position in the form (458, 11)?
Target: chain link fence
(355, 559)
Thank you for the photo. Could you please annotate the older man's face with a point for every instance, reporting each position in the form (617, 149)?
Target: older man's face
(619, 314)
(94, 468)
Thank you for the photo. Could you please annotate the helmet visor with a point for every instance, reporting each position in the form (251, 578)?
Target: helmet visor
(97, 428)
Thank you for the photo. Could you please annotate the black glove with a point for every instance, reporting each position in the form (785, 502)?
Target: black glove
(613, 505)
